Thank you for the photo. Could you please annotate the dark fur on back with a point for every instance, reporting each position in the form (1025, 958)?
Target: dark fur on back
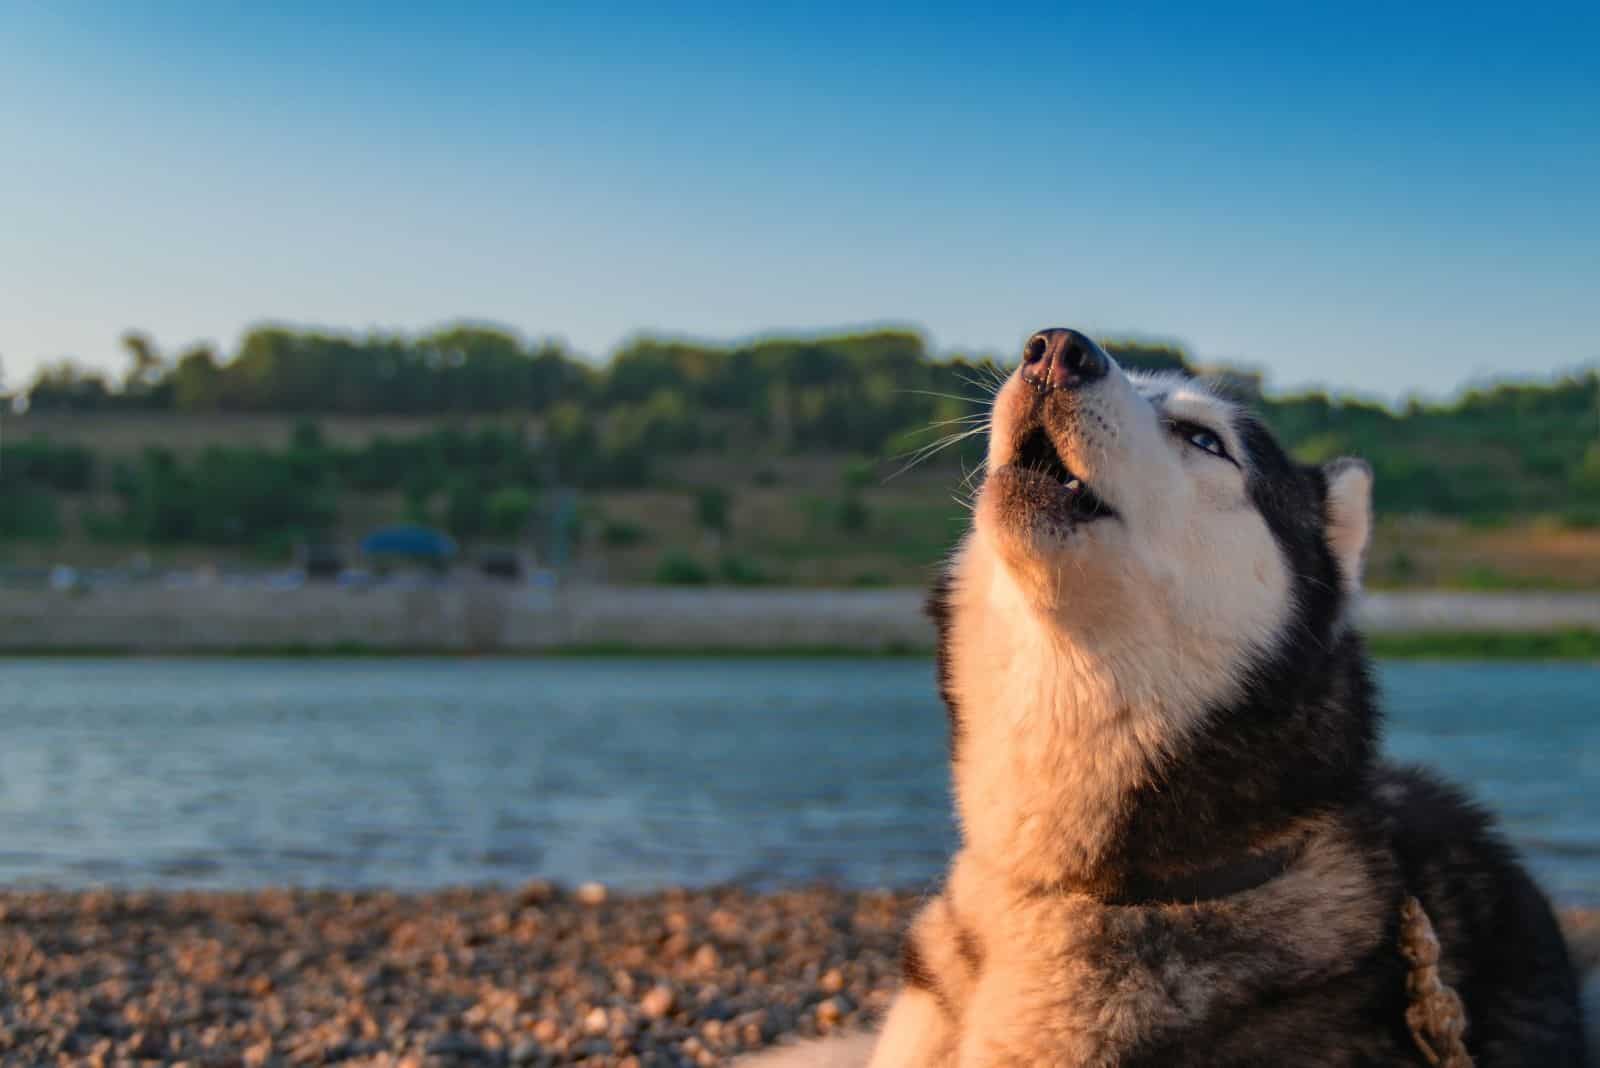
(1504, 951)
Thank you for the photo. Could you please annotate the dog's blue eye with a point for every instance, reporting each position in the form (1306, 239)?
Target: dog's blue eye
(1201, 438)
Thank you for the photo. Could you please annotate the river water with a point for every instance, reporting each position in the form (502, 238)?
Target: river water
(636, 772)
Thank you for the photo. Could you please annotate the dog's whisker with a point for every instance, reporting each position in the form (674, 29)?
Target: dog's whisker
(927, 451)
(981, 418)
(975, 401)
(989, 386)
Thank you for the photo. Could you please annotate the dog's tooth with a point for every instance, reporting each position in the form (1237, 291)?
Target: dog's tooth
(1076, 485)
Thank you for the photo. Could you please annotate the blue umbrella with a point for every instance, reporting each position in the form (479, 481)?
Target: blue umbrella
(409, 540)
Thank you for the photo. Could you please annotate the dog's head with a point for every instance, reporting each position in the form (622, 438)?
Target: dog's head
(1136, 508)
(1147, 568)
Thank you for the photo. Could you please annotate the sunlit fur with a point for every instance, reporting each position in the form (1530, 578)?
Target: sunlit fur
(1134, 694)
(1100, 644)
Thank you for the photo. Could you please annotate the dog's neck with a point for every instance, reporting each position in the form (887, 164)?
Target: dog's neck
(1080, 768)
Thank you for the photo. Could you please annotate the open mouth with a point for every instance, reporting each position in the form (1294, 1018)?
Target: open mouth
(1038, 454)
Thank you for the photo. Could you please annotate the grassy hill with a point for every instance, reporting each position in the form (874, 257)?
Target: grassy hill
(770, 462)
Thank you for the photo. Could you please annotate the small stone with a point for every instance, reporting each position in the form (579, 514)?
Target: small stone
(707, 959)
(591, 894)
(832, 981)
(752, 1027)
(145, 1044)
(536, 892)
(715, 1008)
(596, 1022)
(658, 1001)
(454, 1044)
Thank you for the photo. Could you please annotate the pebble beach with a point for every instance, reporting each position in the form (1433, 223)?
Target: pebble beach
(534, 976)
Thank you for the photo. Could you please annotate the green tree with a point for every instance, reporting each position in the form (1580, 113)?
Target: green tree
(63, 386)
(676, 568)
(711, 509)
(510, 508)
(1588, 474)
(852, 514)
(419, 490)
(146, 383)
(858, 474)
(466, 509)
(29, 513)
(197, 381)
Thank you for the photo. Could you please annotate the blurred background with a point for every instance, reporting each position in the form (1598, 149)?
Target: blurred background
(516, 330)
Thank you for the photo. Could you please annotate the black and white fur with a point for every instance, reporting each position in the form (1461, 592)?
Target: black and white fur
(1160, 689)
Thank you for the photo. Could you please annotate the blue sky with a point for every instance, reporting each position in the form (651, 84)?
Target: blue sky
(1390, 198)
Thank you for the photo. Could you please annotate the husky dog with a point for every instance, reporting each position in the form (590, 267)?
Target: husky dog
(1179, 845)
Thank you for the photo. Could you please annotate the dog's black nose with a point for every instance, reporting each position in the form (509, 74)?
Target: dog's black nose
(1063, 359)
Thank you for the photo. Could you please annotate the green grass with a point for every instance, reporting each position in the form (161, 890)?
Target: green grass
(1488, 645)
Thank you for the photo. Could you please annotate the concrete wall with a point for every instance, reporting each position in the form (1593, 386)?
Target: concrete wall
(488, 617)
(477, 616)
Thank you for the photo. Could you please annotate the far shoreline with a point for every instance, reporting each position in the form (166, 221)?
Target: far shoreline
(486, 618)
(1576, 645)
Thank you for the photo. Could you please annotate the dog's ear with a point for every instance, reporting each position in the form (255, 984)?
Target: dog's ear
(1349, 516)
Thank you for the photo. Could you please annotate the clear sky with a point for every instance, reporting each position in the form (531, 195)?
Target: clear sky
(1388, 198)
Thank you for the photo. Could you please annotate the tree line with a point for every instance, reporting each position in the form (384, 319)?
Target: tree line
(1499, 452)
(848, 391)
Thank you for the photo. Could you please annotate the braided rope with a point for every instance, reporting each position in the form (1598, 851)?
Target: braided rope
(1436, 1016)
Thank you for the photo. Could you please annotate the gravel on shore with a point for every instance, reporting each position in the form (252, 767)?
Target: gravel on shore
(536, 976)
